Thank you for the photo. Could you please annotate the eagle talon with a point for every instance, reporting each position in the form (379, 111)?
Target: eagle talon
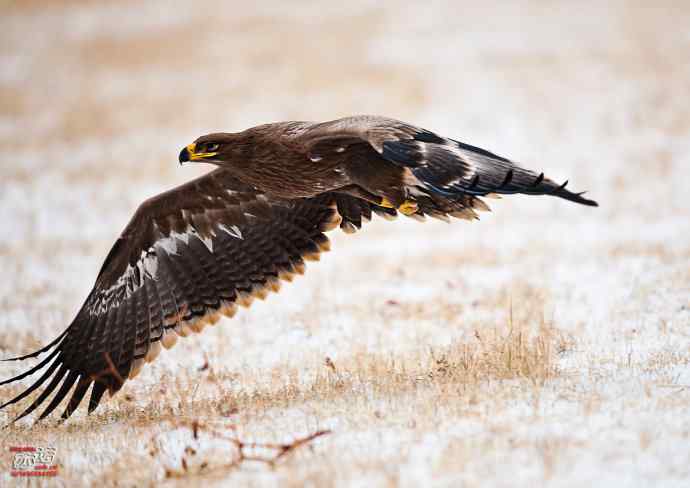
(385, 203)
(408, 207)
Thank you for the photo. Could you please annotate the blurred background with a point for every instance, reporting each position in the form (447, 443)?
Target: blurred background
(98, 97)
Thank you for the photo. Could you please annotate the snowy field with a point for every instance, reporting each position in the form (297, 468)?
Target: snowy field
(547, 345)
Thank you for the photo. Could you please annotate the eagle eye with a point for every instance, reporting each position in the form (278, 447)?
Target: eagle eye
(211, 147)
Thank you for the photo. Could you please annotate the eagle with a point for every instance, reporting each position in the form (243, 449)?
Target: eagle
(198, 251)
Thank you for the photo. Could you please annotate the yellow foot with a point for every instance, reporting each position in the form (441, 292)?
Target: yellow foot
(408, 207)
(386, 203)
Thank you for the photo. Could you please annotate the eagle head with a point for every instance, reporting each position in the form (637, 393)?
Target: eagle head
(211, 148)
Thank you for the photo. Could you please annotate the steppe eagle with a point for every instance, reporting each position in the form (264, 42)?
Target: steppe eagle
(196, 252)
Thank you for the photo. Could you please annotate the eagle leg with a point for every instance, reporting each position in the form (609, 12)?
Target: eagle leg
(406, 206)
(359, 192)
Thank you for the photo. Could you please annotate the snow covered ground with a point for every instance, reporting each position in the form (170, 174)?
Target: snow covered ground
(547, 345)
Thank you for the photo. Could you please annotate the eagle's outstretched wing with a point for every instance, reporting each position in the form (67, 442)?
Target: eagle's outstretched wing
(442, 167)
(198, 251)
(186, 256)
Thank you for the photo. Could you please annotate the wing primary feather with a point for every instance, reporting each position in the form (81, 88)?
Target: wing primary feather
(561, 192)
(45, 393)
(99, 388)
(41, 350)
(508, 179)
(539, 179)
(62, 392)
(33, 387)
(32, 370)
(77, 396)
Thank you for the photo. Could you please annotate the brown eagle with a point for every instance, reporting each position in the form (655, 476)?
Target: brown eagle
(196, 252)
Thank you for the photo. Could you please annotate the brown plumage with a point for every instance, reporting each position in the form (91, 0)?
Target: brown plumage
(199, 250)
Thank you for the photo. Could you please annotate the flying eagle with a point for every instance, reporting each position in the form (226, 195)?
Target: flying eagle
(196, 252)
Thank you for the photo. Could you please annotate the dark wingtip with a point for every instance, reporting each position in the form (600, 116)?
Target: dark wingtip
(31, 371)
(574, 197)
(589, 203)
(508, 178)
(40, 351)
(538, 181)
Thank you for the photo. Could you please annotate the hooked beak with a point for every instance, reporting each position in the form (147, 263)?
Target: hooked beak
(189, 154)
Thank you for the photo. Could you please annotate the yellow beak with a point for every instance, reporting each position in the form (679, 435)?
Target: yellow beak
(189, 154)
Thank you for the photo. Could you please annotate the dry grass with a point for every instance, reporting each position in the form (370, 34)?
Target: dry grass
(414, 391)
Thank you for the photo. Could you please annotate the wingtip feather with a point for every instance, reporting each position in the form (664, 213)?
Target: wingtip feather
(39, 351)
(561, 192)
